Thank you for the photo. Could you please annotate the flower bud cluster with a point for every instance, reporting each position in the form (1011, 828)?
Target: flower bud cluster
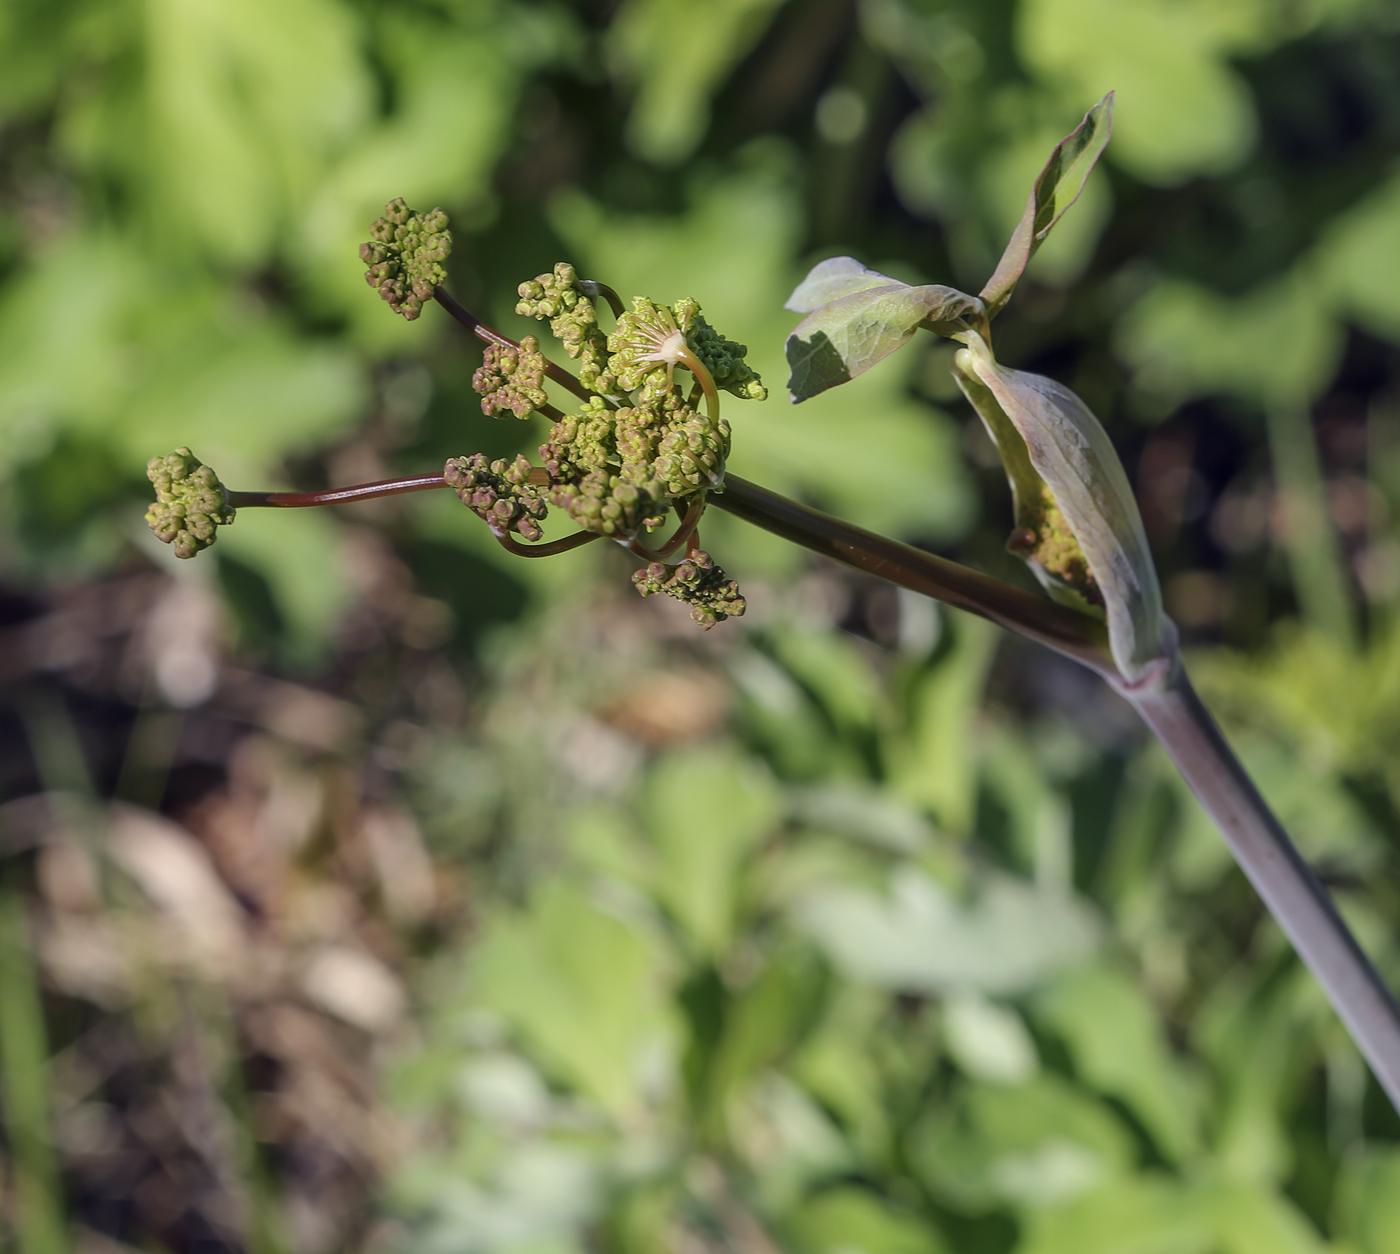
(1045, 538)
(573, 321)
(599, 463)
(499, 493)
(723, 358)
(511, 380)
(405, 256)
(646, 338)
(699, 583)
(190, 502)
(640, 447)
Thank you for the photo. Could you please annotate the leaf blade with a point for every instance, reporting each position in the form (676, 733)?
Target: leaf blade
(832, 279)
(1056, 188)
(846, 336)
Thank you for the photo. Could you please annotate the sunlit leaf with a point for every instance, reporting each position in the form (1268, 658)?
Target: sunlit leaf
(1040, 1143)
(677, 61)
(581, 989)
(934, 764)
(1116, 1040)
(1187, 111)
(832, 279)
(1283, 346)
(989, 1042)
(1148, 1214)
(847, 336)
(848, 1219)
(1368, 1200)
(1056, 189)
(706, 812)
(1250, 1218)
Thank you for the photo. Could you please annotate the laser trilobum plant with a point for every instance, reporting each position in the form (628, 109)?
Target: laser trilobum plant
(645, 447)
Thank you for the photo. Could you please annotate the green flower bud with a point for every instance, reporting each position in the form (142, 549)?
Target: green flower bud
(573, 321)
(191, 504)
(405, 256)
(723, 358)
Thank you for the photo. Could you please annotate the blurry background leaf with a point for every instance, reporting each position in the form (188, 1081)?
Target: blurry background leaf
(677, 59)
(1006, 940)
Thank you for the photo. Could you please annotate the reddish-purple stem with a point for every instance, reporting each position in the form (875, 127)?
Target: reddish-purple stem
(549, 549)
(683, 533)
(478, 328)
(332, 496)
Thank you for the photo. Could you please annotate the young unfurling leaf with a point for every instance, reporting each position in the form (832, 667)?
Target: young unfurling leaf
(1079, 525)
(1055, 190)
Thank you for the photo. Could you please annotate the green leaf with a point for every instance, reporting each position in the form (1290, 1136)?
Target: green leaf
(1008, 939)
(832, 279)
(1056, 189)
(848, 1218)
(1147, 1214)
(706, 812)
(1368, 1200)
(24, 1083)
(761, 1025)
(847, 336)
(678, 59)
(1284, 345)
(935, 766)
(988, 1042)
(1039, 1144)
(1359, 259)
(582, 988)
(1250, 1218)
(1115, 1037)
(1188, 111)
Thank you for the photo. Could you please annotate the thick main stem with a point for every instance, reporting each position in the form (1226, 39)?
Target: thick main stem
(1058, 627)
(1295, 898)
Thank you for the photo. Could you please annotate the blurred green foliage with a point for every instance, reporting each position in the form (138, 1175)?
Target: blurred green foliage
(921, 950)
(760, 992)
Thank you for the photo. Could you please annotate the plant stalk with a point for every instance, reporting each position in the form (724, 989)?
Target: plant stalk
(1058, 627)
(1279, 873)
(39, 1225)
(478, 328)
(333, 496)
